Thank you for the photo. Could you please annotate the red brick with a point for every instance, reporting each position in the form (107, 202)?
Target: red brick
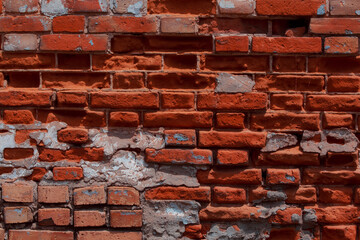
(177, 100)
(186, 138)
(125, 196)
(120, 24)
(301, 195)
(25, 24)
(181, 81)
(51, 155)
(124, 62)
(15, 215)
(235, 63)
(232, 44)
(178, 25)
(127, 100)
(335, 195)
(238, 101)
(180, 44)
(209, 25)
(330, 177)
(37, 174)
(179, 193)
(76, 80)
(230, 120)
(73, 42)
(293, 156)
(345, 232)
(357, 195)
(289, 83)
(178, 119)
(93, 235)
(124, 119)
(350, 8)
(70, 23)
(291, 7)
(40, 234)
(286, 101)
(53, 194)
(343, 84)
(232, 139)
(83, 118)
(341, 159)
(67, 173)
(230, 176)
(90, 6)
(286, 216)
(284, 234)
(21, 192)
(285, 121)
(86, 154)
(331, 120)
(24, 6)
(125, 218)
(172, 6)
(193, 231)
(179, 156)
(73, 61)
(128, 80)
(336, 214)
(289, 64)
(180, 62)
(343, 103)
(16, 80)
(283, 176)
(18, 153)
(211, 213)
(54, 216)
(229, 195)
(18, 117)
(232, 157)
(25, 98)
(72, 99)
(26, 60)
(348, 64)
(90, 195)
(334, 26)
(89, 218)
(341, 45)
(287, 45)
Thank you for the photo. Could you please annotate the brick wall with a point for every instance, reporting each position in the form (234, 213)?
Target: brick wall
(169, 119)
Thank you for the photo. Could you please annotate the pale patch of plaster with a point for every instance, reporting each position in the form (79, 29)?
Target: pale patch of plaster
(229, 83)
(53, 7)
(335, 140)
(167, 219)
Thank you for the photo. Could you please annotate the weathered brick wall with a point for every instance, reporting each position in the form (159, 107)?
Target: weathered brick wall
(179, 119)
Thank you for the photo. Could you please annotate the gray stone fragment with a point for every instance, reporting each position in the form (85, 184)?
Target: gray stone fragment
(276, 141)
(229, 83)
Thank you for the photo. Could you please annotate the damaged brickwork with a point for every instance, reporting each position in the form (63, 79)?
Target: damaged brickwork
(169, 119)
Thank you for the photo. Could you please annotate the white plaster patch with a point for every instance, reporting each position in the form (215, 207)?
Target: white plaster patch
(135, 8)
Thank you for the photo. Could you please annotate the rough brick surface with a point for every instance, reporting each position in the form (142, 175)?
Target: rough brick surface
(168, 119)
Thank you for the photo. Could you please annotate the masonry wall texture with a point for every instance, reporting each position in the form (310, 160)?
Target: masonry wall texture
(169, 119)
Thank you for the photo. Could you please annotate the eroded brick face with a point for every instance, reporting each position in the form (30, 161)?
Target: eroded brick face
(169, 119)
